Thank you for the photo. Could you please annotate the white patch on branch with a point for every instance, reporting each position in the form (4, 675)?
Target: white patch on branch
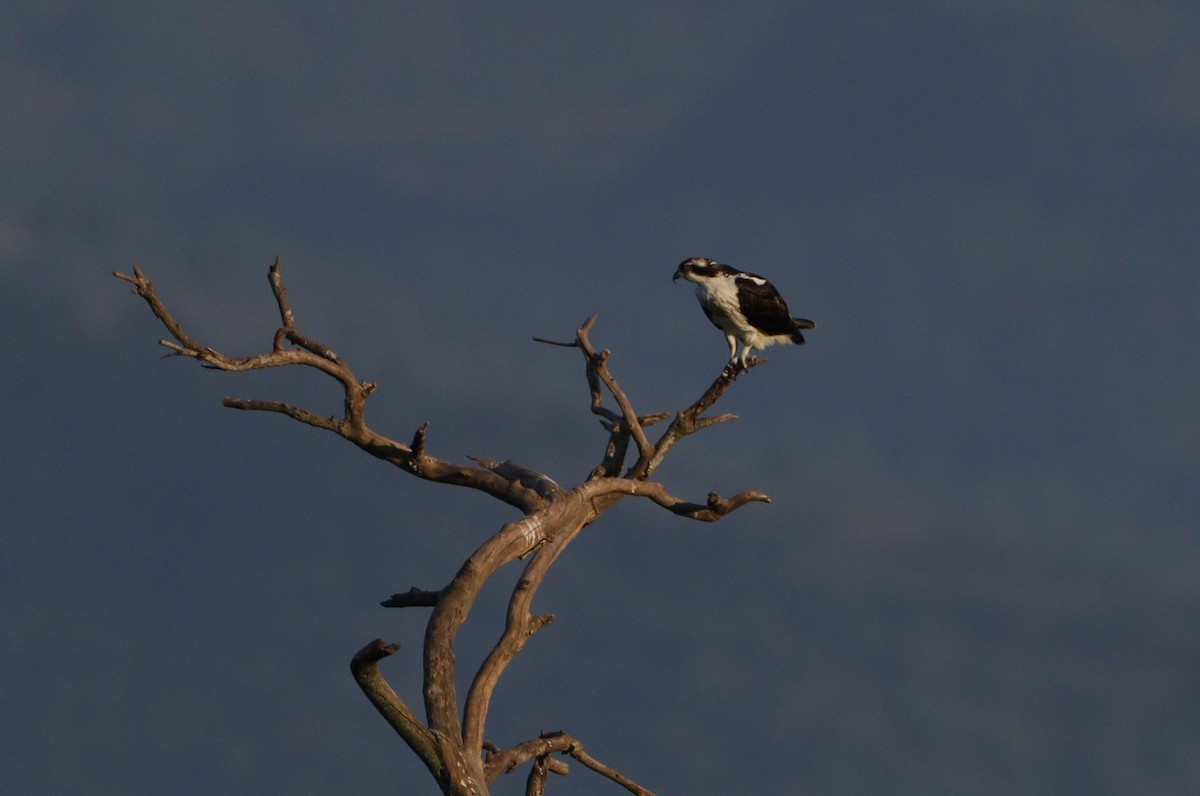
(531, 528)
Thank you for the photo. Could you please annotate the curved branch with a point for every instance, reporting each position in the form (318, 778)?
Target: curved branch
(365, 668)
(520, 625)
(714, 509)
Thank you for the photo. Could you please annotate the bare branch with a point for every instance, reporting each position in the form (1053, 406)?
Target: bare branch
(143, 288)
(688, 422)
(541, 483)
(614, 452)
(294, 412)
(564, 517)
(520, 626)
(535, 784)
(576, 751)
(618, 444)
(313, 346)
(628, 425)
(542, 766)
(583, 503)
(621, 427)
(714, 509)
(599, 492)
(286, 318)
(562, 743)
(598, 365)
(365, 668)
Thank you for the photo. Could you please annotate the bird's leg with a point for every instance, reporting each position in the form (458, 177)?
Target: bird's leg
(731, 367)
(736, 365)
(732, 348)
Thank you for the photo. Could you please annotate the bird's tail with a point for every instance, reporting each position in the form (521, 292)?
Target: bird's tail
(801, 323)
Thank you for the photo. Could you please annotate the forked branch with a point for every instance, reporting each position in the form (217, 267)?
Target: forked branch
(352, 425)
(628, 423)
(365, 668)
(549, 743)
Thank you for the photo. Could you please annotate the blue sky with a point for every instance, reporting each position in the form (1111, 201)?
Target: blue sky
(979, 570)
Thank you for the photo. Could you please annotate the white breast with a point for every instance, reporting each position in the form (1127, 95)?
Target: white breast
(721, 293)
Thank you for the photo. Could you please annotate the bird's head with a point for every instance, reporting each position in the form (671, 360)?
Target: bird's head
(695, 269)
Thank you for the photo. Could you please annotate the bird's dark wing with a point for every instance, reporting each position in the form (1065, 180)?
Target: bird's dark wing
(764, 307)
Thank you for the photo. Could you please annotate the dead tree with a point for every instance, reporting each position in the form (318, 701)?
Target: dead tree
(450, 739)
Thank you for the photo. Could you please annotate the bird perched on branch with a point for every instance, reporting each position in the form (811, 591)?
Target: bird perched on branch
(745, 306)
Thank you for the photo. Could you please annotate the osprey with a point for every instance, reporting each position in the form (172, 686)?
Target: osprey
(746, 307)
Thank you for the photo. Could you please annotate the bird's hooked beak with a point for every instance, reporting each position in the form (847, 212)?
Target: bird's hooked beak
(678, 275)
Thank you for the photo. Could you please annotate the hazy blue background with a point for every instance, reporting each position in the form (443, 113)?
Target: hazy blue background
(979, 574)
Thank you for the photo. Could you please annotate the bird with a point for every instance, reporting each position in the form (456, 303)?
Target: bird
(745, 306)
